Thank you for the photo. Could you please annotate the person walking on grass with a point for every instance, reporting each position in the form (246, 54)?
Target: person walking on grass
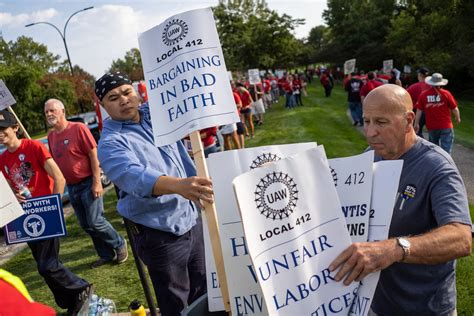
(246, 110)
(28, 165)
(74, 149)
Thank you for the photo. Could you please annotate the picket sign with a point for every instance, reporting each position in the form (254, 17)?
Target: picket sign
(211, 218)
(10, 208)
(6, 101)
(188, 90)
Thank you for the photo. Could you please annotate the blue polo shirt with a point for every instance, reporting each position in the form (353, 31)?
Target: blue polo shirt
(129, 158)
(431, 193)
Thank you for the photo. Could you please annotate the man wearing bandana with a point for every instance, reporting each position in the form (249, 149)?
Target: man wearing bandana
(158, 191)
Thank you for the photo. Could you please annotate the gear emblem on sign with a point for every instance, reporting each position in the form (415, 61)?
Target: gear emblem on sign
(175, 30)
(276, 195)
(264, 159)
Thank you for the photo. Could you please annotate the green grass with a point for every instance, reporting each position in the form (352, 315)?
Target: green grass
(464, 132)
(465, 280)
(117, 282)
(322, 119)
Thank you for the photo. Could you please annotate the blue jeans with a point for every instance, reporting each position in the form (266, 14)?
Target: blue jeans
(290, 100)
(210, 150)
(176, 265)
(356, 112)
(90, 213)
(443, 138)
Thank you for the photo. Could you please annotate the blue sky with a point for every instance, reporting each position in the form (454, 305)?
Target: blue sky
(97, 37)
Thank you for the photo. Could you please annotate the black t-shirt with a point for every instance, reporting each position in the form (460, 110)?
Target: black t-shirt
(353, 87)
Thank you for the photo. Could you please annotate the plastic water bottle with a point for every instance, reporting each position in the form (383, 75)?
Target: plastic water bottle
(93, 305)
(101, 306)
(24, 191)
(136, 308)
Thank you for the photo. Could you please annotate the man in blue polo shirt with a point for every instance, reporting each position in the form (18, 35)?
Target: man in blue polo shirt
(430, 226)
(158, 191)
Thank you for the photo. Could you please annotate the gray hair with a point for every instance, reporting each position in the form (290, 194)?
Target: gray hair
(57, 102)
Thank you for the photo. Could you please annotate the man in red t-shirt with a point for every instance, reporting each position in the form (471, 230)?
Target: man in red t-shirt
(74, 149)
(246, 111)
(415, 90)
(438, 104)
(369, 86)
(31, 172)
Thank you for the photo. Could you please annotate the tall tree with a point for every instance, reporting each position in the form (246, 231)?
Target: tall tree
(357, 30)
(254, 36)
(131, 64)
(26, 68)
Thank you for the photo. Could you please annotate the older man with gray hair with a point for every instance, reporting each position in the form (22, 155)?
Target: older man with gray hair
(74, 149)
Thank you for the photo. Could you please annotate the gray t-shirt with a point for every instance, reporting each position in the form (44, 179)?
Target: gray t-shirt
(431, 194)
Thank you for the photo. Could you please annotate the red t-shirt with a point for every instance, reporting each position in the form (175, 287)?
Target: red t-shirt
(288, 86)
(70, 149)
(245, 97)
(25, 166)
(266, 86)
(369, 86)
(238, 102)
(416, 89)
(210, 138)
(437, 105)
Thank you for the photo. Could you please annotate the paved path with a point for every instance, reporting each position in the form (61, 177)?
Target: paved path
(464, 159)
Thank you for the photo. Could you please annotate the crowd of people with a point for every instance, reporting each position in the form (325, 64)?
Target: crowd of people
(160, 194)
(433, 104)
(252, 101)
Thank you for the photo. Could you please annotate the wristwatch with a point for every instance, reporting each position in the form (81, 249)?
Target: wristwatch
(405, 244)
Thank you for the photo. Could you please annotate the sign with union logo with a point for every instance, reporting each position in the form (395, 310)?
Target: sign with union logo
(186, 77)
(294, 228)
(244, 293)
(43, 219)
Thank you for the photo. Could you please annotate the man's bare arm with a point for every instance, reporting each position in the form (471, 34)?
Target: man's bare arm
(53, 171)
(97, 189)
(442, 244)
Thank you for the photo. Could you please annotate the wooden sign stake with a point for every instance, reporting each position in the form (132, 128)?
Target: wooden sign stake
(211, 216)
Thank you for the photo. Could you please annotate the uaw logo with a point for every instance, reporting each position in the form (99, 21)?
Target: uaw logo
(276, 195)
(264, 159)
(34, 225)
(21, 157)
(334, 175)
(175, 30)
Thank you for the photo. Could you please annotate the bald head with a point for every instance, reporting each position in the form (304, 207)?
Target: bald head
(388, 121)
(393, 98)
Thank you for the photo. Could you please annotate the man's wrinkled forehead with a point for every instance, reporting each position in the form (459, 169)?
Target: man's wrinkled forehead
(393, 100)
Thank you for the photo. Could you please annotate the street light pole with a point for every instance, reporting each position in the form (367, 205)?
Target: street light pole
(63, 34)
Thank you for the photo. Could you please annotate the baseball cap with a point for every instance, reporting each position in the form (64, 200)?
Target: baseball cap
(7, 119)
(423, 71)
